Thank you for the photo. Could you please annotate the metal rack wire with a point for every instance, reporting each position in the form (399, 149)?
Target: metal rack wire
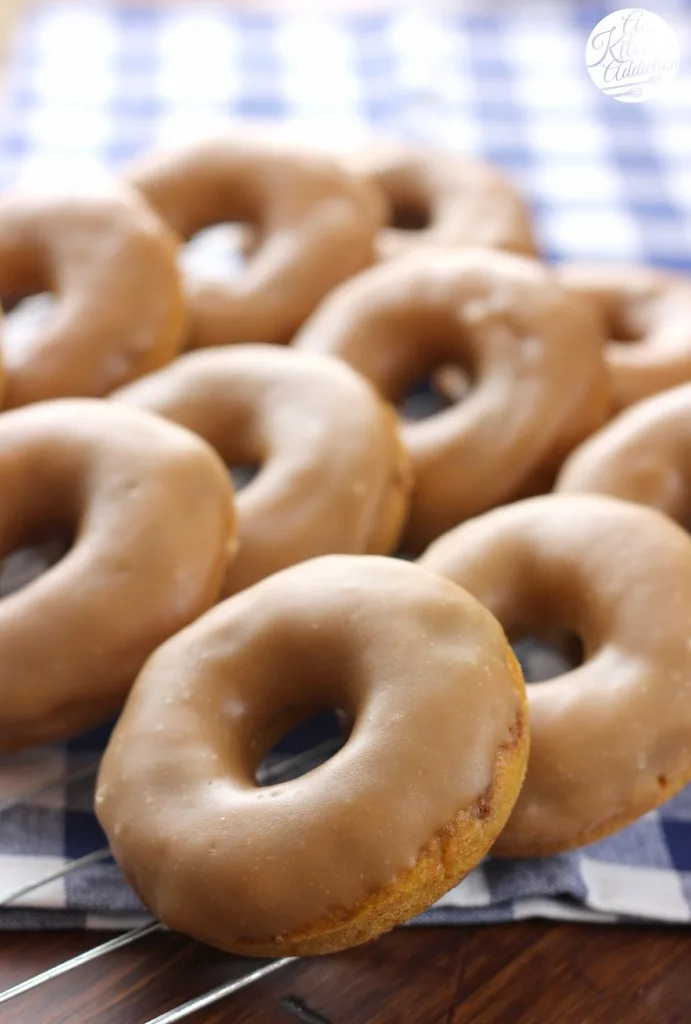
(278, 772)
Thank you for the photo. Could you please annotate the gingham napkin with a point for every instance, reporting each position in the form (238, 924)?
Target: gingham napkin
(91, 87)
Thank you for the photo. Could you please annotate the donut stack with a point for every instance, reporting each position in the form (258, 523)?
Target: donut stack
(397, 373)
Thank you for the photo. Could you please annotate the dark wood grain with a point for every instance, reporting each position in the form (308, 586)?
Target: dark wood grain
(531, 973)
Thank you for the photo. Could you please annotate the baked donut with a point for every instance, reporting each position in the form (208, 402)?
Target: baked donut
(119, 309)
(440, 198)
(334, 477)
(424, 783)
(149, 508)
(315, 226)
(647, 314)
(2, 362)
(643, 455)
(611, 739)
(533, 352)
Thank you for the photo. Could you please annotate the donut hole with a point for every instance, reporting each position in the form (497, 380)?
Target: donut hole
(453, 382)
(238, 442)
(546, 652)
(409, 216)
(25, 317)
(242, 474)
(302, 745)
(443, 387)
(26, 563)
(216, 253)
(422, 400)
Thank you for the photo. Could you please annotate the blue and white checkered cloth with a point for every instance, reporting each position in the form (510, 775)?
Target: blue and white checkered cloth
(90, 87)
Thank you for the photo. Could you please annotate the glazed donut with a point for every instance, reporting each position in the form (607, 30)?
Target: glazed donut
(644, 455)
(611, 739)
(120, 306)
(315, 224)
(534, 352)
(647, 313)
(419, 792)
(438, 198)
(2, 362)
(150, 508)
(334, 476)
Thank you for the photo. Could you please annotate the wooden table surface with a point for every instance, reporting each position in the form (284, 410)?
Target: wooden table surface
(528, 973)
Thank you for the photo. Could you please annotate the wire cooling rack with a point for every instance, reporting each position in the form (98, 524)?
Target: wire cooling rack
(279, 771)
